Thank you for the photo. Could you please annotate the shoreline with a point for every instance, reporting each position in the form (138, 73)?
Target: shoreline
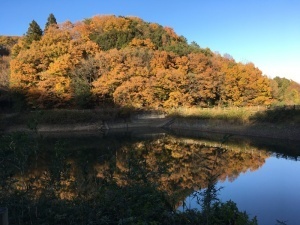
(264, 130)
(267, 130)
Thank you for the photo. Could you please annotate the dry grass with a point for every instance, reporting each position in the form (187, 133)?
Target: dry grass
(230, 114)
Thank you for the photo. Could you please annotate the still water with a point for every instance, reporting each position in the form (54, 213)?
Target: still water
(271, 193)
(260, 175)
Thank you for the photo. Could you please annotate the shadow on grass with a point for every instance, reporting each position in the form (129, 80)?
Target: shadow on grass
(15, 111)
(284, 114)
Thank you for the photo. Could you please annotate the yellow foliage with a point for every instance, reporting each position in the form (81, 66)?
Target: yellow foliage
(106, 23)
(46, 64)
(147, 43)
(137, 75)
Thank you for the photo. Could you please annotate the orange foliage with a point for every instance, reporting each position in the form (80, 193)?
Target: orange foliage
(45, 66)
(142, 43)
(245, 85)
(108, 22)
(137, 75)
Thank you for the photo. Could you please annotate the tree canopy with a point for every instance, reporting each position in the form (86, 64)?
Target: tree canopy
(129, 62)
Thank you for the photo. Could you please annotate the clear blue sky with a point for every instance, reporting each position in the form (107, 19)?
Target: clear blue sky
(265, 32)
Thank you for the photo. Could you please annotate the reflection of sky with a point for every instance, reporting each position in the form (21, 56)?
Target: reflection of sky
(271, 193)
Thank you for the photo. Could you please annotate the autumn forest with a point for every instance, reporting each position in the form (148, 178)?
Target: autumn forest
(116, 120)
(127, 62)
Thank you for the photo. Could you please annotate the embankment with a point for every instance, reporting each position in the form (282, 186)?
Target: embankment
(285, 131)
(270, 130)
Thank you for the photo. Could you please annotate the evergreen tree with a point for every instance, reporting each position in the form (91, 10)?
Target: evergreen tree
(34, 32)
(51, 20)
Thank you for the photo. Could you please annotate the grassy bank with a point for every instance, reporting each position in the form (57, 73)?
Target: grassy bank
(242, 115)
(230, 114)
(283, 116)
(278, 123)
(61, 116)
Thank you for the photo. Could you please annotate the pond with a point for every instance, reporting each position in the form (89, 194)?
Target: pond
(60, 170)
(270, 191)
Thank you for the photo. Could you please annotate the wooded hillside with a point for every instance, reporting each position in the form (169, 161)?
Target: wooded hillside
(126, 61)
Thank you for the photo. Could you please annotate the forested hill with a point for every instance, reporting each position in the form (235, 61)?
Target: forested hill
(126, 61)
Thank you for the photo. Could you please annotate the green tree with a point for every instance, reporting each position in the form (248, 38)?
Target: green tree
(34, 32)
(50, 21)
(82, 77)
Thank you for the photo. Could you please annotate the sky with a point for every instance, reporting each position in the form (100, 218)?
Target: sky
(264, 32)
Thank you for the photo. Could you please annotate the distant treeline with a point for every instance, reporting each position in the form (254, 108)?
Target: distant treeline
(128, 62)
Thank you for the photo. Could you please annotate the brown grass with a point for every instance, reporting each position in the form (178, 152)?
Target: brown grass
(230, 114)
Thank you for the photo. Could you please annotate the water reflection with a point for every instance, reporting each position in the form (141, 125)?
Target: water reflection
(56, 168)
(272, 193)
(176, 165)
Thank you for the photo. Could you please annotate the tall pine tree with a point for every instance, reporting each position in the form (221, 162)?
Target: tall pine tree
(34, 32)
(50, 21)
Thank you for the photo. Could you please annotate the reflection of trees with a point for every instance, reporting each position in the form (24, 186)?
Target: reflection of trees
(170, 163)
(179, 165)
(36, 175)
